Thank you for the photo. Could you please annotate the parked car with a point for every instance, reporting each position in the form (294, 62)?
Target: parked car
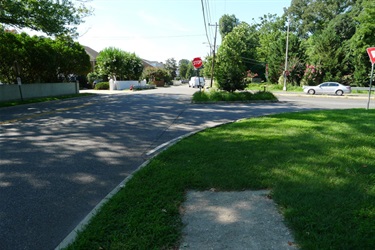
(196, 81)
(328, 88)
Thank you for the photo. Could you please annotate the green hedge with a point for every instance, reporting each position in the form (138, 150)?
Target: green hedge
(102, 85)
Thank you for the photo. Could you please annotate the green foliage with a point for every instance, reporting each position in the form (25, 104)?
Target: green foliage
(269, 30)
(217, 96)
(207, 69)
(183, 65)
(311, 16)
(329, 49)
(362, 39)
(227, 24)
(40, 59)
(190, 71)
(50, 17)
(92, 76)
(102, 85)
(171, 66)
(233, 57)
(117, 63)
(269, 87)
(156, 74)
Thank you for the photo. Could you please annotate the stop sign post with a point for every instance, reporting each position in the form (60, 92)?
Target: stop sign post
(371, 54)
(197, 64)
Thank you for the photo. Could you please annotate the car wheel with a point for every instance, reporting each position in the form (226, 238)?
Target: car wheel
(311, 92)
(339, 92)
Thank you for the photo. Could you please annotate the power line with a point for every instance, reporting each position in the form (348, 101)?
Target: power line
(209, 17)
(205, 24)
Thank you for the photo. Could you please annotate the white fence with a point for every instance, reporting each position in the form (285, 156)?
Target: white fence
(9, 92)
(120, 85)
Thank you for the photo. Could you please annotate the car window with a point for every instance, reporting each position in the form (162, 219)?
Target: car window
(324, 85)
(333, 84)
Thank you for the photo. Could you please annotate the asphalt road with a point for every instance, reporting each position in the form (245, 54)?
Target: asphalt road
(59, 159)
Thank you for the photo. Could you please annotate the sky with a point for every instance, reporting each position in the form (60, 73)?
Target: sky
(157, 30)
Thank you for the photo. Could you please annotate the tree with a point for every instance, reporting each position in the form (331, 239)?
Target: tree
(269, 30)
(40, 59)
(183, 67)
(207, 70)
(49, 16)
(234, 57)
(152, 74)
(72, 58)
(116, 63)
(362, 39)
(190, 71)
(10, 48)
(227, 24)
(171, 67)
(310, 16)
(329, 48)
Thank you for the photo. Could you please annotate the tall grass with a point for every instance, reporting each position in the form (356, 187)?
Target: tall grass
(319, 166)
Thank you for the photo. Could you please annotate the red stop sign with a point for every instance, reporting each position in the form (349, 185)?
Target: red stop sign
(197, 62)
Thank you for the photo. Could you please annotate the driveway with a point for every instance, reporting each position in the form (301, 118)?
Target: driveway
(59, 159)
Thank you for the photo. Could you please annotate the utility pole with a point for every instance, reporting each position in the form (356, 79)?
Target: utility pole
(213, 55)
(286, 54)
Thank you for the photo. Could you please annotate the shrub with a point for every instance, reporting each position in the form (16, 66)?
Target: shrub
(156, 74)
(102, 85)
(216, 96)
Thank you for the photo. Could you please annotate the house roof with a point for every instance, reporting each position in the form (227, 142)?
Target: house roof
(92, 53)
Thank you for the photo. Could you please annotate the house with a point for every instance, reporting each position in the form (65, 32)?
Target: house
(154, 64)
(93, 55)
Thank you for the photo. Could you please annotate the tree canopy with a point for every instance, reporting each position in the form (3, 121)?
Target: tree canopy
(183, 66)
(49, 16)
(227, 24)
(327, 41)
(40, 59)
(114, 62)
(171, 66)
(234, 56)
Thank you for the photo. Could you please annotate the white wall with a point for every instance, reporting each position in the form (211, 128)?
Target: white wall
(120, 85)
(10, 92)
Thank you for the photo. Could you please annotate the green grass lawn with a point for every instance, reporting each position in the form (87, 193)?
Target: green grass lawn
(273, 87)
(319, 166)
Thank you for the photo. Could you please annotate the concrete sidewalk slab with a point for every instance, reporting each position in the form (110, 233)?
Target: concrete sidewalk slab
(233, 220)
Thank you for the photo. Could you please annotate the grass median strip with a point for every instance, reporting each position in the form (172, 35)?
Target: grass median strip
(319, 166)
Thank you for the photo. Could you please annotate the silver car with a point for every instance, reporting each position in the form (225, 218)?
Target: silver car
(328, 88)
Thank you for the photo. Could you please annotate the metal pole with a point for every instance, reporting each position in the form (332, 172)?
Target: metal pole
(286, 54)
(369, 92)
(199, 81)
(213, 58)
